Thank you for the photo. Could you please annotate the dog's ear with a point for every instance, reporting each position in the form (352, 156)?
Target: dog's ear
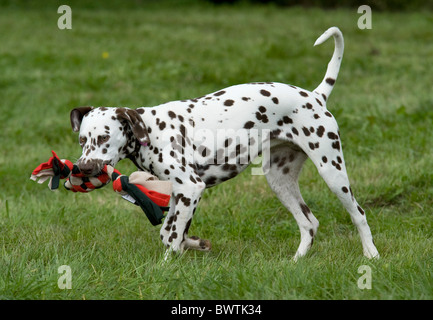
(77, 115)
(135, 122)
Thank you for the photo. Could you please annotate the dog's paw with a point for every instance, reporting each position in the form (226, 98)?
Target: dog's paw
(372, 254)
(197, 244)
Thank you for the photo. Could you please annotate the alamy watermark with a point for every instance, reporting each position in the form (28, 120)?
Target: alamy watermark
(365, 20)
(65, 280)
(364, 281)
(65, 20)
(226, 147)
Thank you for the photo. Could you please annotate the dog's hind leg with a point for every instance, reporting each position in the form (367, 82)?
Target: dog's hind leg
(330, 163)
(282, 174)
(338, 182)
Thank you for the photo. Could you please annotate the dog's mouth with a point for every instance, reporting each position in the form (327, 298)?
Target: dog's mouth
(91, 168)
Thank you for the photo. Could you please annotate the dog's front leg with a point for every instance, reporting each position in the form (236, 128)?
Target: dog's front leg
(168, 222)
(174, 232)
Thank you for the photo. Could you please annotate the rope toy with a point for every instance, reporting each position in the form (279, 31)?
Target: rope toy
(140, 188)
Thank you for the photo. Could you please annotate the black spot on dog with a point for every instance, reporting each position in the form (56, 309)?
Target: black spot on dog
(287, 119)
(275, 133)
(229, 167)
(336, 145)
(219, 93)
(228, 103)
(336, 165)
(182, 130)
(332, 136)
(248, 125)
(205, 152)
(303, 93)
(211, 180)
(228, 142)
(262, 117)
(291, 157)
(265, 93)
(313, 145)
(330, 81)
(320, 131)
(305, 210)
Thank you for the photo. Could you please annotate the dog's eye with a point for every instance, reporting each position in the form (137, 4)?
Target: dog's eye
(103, 139)
(83, 140)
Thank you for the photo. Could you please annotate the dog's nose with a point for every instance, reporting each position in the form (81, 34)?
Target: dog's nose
(86, 168)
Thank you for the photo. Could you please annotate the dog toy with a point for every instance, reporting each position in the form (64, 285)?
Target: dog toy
(140, 188)
(144, 190)
(56, 169)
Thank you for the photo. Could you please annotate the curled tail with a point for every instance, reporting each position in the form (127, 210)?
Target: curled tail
(327, 84)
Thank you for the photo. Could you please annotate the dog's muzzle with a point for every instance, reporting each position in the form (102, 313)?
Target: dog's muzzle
(91, 167)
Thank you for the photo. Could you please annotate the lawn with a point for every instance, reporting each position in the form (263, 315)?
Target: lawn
(144, 55)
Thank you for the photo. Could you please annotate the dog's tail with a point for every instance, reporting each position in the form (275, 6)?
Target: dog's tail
(327, 84)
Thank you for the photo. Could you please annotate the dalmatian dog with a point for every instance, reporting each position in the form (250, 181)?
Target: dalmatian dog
(201, 142)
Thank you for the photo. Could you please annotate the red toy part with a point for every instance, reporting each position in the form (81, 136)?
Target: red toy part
(158, 198)
(47, 167)
(54, 170)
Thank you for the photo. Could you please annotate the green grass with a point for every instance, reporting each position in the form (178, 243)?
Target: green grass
(382, 101)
